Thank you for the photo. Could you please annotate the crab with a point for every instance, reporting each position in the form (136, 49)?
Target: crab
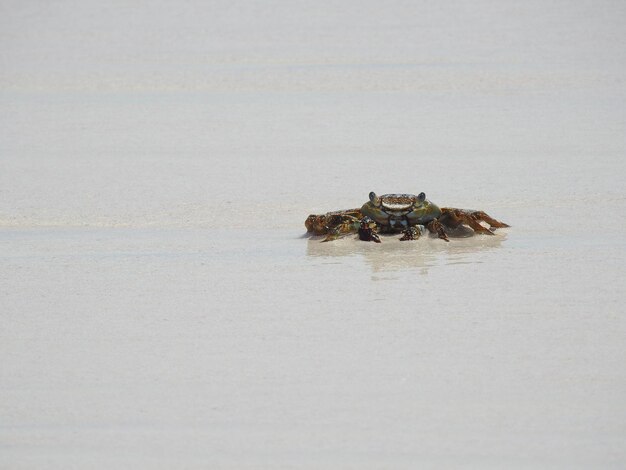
(408, 214)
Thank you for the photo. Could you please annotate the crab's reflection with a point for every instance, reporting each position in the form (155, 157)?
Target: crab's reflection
(394, 255)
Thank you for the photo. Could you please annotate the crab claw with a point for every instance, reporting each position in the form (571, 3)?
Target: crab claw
(412, 233)
(367, 231)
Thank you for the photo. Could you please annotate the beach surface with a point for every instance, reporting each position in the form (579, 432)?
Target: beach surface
(162, 307)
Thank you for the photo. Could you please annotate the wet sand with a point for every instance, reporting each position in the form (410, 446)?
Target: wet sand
(162, 306)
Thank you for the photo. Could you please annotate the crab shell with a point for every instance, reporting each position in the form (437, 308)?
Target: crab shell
(395, 212)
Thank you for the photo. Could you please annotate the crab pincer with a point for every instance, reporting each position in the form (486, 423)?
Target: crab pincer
(367, 230)
(412, 233)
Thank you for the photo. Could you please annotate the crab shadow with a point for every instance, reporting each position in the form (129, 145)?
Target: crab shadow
(394, 255)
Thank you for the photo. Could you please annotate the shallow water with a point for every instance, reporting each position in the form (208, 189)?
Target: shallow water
(161, 305)
(249, 348)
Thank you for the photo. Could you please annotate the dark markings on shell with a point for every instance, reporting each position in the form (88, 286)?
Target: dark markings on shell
(398, 201)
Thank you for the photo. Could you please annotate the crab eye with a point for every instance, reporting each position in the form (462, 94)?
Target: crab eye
(421, 197)
(374, 199)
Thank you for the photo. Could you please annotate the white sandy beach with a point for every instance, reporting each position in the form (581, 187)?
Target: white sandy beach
(162, 309)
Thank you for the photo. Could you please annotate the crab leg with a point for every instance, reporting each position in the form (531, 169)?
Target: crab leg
(453, 217)
(321, 224)
(341, 225)
(434, 226)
